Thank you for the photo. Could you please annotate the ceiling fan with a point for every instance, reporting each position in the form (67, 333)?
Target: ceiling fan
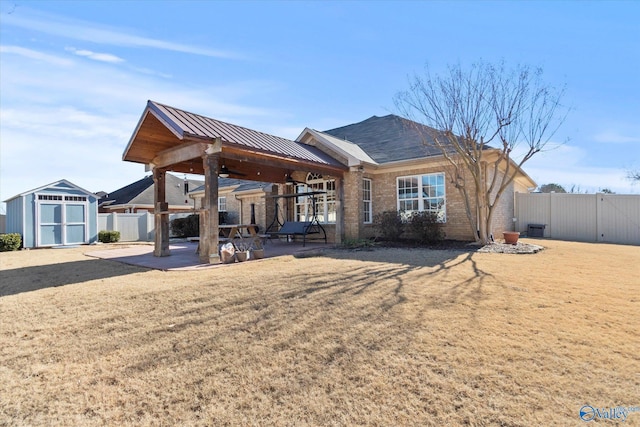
(225, 172)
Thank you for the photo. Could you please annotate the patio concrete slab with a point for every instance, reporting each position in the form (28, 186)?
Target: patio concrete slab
(184, 256)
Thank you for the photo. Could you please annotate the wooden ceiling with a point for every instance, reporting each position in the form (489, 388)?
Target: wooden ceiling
(154, 142)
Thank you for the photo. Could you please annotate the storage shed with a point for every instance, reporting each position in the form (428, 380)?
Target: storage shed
(57, 214)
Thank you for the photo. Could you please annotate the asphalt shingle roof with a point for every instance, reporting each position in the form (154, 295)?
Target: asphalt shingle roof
(388, 138)
(141, 192)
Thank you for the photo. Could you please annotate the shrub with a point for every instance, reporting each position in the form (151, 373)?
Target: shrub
(389, 224)
(10, 242)
(186, 227)
(106, 236)
(358, 243)
(424, 227)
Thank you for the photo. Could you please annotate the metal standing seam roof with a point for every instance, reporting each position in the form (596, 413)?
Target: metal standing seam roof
(190, 124)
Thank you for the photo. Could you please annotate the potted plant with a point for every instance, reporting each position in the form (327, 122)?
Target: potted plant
(257, 253)
(511, 237)
(242, 252)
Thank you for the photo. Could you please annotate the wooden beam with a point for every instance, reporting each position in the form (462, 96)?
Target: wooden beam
(269, 159)
(179, 154)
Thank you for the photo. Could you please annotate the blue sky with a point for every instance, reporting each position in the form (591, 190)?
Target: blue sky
(75, 76)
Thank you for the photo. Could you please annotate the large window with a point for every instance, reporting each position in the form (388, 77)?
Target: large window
(423, 193)
(325, 204)
(366, 200)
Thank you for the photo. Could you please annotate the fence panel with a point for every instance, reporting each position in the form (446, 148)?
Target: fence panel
(619, 218)
(133, 227)
(573, 217)
(613, 218)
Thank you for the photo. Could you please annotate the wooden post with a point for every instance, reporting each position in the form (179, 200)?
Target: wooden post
(161, 245)
(209, 220)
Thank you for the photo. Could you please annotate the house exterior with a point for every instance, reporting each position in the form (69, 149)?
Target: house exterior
(138, 196)
(56, 214)
(241, 201)
(391, 168)
(352, 173)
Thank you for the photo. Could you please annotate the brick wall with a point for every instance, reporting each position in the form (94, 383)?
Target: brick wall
(457, 226)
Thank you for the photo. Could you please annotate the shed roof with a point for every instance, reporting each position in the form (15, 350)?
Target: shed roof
(60, 185)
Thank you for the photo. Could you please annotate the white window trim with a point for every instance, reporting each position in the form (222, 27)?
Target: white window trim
(322, 205)
(420, 192)
(369, 201)
(222, 203)
(63, 217)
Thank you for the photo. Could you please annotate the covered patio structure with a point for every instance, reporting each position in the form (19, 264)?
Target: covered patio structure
(170, 139)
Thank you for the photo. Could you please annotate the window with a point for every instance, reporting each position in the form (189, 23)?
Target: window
(49, 197)
(222, 204)
(325, 203)
(366, 200)
(423, 193)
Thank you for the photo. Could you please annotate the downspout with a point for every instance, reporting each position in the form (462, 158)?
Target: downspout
(241, 213)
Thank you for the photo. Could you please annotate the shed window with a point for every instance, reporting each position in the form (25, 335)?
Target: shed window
(49, 197)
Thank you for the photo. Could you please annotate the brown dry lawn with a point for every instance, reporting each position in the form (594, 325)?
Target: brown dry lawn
(386, 337)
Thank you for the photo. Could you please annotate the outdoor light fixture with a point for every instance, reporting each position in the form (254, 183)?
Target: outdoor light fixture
(291, 181)
(224, 172)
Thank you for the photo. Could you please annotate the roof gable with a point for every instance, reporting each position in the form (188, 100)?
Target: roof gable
(352, 153)
(162, 127)
(62, 185)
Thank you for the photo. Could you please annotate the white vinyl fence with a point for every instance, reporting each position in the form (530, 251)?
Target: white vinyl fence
(133, 227)
(613, 218)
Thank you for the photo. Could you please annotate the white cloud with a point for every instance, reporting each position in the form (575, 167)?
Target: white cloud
(36, 55)
(616, 138)
(91, 32)
(567, 166)
(104, 57)
(73, 118)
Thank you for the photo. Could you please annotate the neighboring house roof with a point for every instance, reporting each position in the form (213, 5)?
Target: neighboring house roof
(141, 192)
(388, 138)
(62, 185)
(239, 184)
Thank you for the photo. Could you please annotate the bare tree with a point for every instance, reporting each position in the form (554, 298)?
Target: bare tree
(633, 176)
(477, 118)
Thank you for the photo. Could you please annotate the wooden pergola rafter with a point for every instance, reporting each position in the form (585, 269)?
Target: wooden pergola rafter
(169, 139)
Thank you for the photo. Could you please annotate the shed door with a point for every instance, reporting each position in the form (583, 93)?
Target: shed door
(74, 223)
(62, 222)
(50, 224)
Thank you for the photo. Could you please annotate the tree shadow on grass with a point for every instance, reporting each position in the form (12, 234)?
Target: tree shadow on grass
(28, 279)
(389, 266)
